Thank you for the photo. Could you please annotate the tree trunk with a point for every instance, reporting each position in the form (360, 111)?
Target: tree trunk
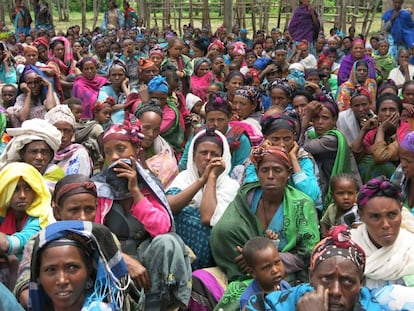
(2, 15)
(66, 10)
(83, 6)
(51, 5)
(59, 8)
(96, 9)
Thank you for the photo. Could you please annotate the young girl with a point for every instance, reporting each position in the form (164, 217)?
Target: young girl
(384, 60)
(344, 210)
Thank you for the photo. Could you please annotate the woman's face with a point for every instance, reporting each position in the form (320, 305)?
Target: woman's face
(382, 216)
(197, 52)
(76, 47)
(161, 96)
(147, 74)
(156, 59)
(269, 44)
(203, 69)
(299, 103)
(258, 48)
(89, 70)
(215, 50)
(204, 153)
(100, 48)
(243, 106)
(407, 162)
(360, 106)
(218, 65)
(59, 51)
(118, 149)
(357, 50)
(282, 138)
(235, 83)
(38, 154)
(386, 109)
(63, 276)
(22, 198)
(34, 83)
(324, 121)
(383, 48)
(116, 76)
(408, 93)
(31, 57)
(219, 120)
(279, 97)
(403, 57)
(67, 131)
(273, 175)
(361, 73)
(250, 59)
(80, 206)
(150, 127)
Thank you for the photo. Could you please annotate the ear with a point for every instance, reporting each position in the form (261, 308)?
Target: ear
(56, 211)
(251, 272)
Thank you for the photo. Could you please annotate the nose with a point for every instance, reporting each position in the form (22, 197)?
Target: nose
(113, 157)
(22, 194)
(335, 289)
(82, 215)
(385, 223)
(61, 278)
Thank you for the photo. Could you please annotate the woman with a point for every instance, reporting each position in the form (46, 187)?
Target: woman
(357, 79)
(327, 145)
(357, 53)
(71, 157)
(302, 56)
(405, 71)
(86, 86)
(263, 208)
(247, 112)
(234, 80)
(215, 48)
(377, 146)
(199, 195)
(133, 206)
(201, 78)
(280, 93)
(118, 88)
(147, 70)
(35, 97)
(113, 17)
(77, 265)
(389, 248)
(35, 143)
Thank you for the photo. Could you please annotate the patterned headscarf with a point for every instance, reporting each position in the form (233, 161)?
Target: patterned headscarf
(216, 102)
(73, 184)
(408, 142)
(327, 101)
(338, 243)
(283, 85)
(239, 48)
(277, 122)
(158, 84)
(144, 63)
(359, 90)
(60, 113)
(127, 131)
(99, 105)
(217, 43)
(250, 93)
(379, 186)
(266, 149)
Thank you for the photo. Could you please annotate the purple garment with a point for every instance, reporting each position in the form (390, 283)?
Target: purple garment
(206, 291)
(346, 67)
(301, 25)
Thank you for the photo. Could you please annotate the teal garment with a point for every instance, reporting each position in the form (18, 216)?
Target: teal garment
(107, 90)
(7, 300)
(9, 77)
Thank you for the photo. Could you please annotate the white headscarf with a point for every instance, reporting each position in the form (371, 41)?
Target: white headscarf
(60, 113)
(226, 188)
(31, 130)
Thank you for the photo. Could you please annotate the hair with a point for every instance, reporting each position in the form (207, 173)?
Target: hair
(308, 95)
(255, 245)
(72, 101)
(153, 105)
(55, 43)
(232, 74)
(9, 85)
(69, 179)
(404, 87)
(343, 176)
(209, 136)
(388, 96)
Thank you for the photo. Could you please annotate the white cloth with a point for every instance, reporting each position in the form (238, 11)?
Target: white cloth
(386, 265)
(31, 130)
(226, 188)
(60, 113)
(191, 100)
(397, 76)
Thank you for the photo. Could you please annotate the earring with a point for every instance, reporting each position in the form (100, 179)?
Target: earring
(89, 284)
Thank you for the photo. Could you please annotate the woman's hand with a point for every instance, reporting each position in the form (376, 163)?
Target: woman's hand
(369, 124)
(314, 301)
(312, 109)
(124, 170)
(217, 166)
(294, 151)
(391, 123)
(144, 93)
(124, 84)
(25, 88)
(44, 81)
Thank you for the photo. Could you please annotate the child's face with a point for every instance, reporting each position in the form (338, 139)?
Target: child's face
(8, 94)
(77, 112)
(22, 198)
(268, 269)
(383, 49)
(197, 107)
(103, 116)
(344, 194)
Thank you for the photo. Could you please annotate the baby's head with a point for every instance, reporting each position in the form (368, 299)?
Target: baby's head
(344, 190)
(8, 95)
(264, 262)
(193, 103)
(75, 105)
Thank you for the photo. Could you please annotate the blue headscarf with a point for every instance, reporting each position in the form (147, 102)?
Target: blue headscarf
(158, 84)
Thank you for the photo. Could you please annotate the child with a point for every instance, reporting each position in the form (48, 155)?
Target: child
(75, 105)
(265, 266)
(384, 60)
(8, 95)
(344, 210)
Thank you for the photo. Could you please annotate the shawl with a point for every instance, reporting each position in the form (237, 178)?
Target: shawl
(252, 127)
(386, 62)
(346, 67)
(238, 224)
(402, 29)
(387, 264)
(369, 138)
(34, 129)
(342, 162)
(199, 85)
(67, 152)
(87, 91)
(65, 66)
(226, 188)
(287, 300)
(10, 175)
(348, 125)
(112, 278)
(301, 25)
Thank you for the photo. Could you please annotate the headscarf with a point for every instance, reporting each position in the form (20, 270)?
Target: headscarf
(68, 56)
(283, 85)
(302, 44)
(266, 149)
(71, 185)
(408, 142)
(158, 84)
(82, 62)
(359, 90)
(328, 103)
(157, 50)
(199, 61)
(127, 131)
(191, 100)
(338, 243)
(118, 64)
(60, 113)
(99, 105)
(250, 93)
(298, 76)
(216, 102)
(10, 175)
(261, 63)
(277, 122)
(379, 186)
(217, 43)
(41, 41)
(96, 241)
(239, 48)
(144, 63)
(31, 130)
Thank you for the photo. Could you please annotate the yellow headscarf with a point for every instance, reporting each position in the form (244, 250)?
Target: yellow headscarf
(9, 177)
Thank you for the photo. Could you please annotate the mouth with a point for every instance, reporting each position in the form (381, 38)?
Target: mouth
(63, 294)
(335, 306)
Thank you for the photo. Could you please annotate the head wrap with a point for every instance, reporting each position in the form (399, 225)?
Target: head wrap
(199, 61)
(408, 142)
(217, 43)
(243, 30)
(110, 284)
(31, 130)
(297, 76)
(73, 184)
(328, 103)
(283, 85)
(82, 62)
(60, 113)
(216, 102)
(191, 100)
(128, 131)
(118, 64)
(68, 55)
(297, 66)
(360, 90)
(41, 41)
(302, 44)
(250, 93)
(261, 63)
(144, 63)
(277, 122)
(99, 105)
(157, 50)
(338, 243)
(356, 41)
(239, 48)
(10, 175)
(379, 186)
(158, 84)
(266, 149)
